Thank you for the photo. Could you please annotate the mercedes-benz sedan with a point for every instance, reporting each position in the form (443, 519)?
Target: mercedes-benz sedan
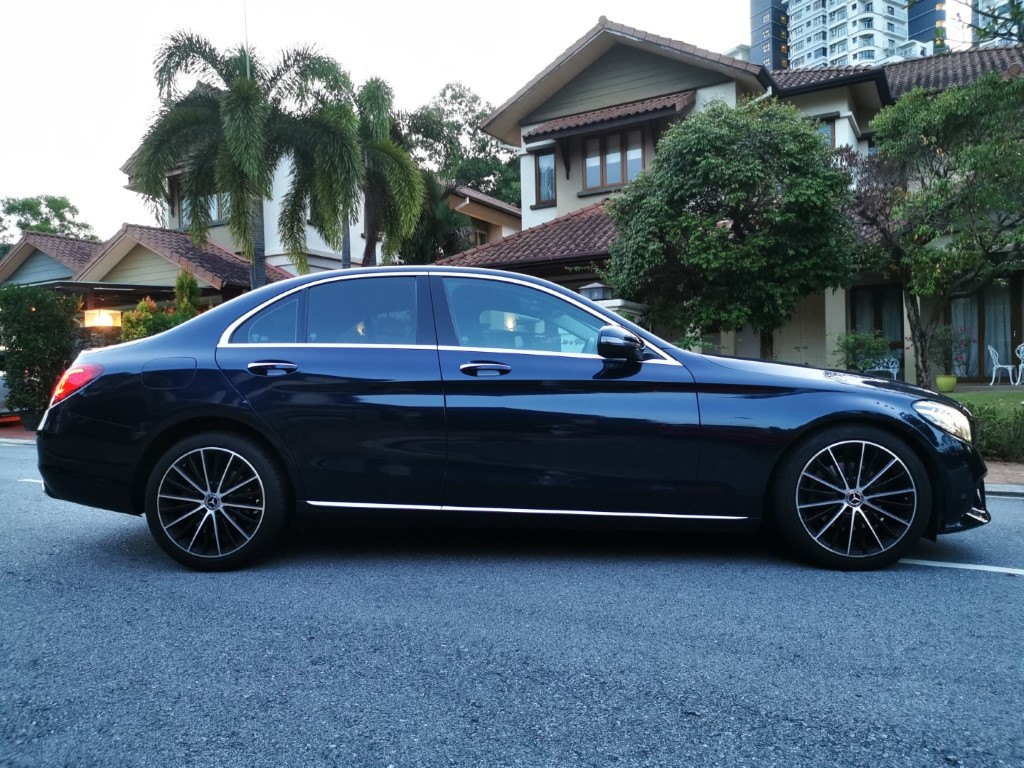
(492, 396)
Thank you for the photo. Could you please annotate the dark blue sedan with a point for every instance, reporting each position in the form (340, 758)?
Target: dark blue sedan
(496, 397)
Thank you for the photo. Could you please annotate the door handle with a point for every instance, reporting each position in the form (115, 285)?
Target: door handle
(272, 367)
(485, 369)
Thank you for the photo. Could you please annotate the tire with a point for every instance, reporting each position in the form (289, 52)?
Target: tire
(216, 501)
(852, 498)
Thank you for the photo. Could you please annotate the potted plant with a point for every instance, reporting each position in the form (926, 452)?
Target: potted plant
(950, 349)
(37, 326)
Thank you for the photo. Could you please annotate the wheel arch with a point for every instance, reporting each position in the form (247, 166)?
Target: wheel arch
(194, 425)
(905, 432)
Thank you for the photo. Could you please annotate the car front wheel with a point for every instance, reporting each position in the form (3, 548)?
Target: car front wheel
(852, 498)
(215, 501)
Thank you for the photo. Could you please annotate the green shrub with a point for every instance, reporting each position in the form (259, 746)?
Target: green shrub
(854, 349)
(1000, 433)
(37, 326)
(147, 319)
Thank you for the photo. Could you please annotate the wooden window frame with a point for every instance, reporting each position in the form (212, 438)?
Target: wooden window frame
(553, 200)
(623, 157)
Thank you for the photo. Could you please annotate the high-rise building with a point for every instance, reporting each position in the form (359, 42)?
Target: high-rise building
(999, 7)
(836, 33)
(927, 22)
(769, 44)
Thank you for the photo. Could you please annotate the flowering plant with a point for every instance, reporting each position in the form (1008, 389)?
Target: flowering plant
(951, 348)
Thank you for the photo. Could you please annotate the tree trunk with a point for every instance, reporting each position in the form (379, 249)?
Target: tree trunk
(768, 345)
(922, 336)
(346, 247)
(371, 229)
(258, 265)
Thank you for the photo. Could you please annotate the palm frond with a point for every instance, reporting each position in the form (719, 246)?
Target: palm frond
(398, 186)
(245, 115)
(375, 100)
(304, 76)
(188, 53)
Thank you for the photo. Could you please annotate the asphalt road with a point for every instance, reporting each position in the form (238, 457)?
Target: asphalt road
(490, 648)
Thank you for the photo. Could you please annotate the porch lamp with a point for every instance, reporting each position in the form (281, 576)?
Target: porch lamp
(597, 291)
(102, 318)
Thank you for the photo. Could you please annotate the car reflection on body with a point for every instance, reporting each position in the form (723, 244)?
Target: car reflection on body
(497, 397)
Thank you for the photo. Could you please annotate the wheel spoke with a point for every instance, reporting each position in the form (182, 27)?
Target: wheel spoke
(186, 516)
(234, 488)
(827, 484)
(871, 528)
(171, 497)
(891, 516)
(885, 469)
(887, 493)
(236, 526)
(831, 522)
(839, 468)
(224, 474)
(188, 479)
(828, 503)
(198, 529)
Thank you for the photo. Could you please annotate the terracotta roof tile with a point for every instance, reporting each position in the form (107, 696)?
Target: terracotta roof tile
(73, 252)
(214, 264)
(587, 232)
(676, 102)
(935, 73)
(799, 78)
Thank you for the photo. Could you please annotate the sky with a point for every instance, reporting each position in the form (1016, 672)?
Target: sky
(77, 92)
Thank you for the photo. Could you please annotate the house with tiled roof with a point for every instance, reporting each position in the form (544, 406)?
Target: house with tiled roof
(138, 261)
(590, 122)
(490, 219)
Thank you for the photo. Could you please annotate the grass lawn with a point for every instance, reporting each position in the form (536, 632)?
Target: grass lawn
(1005, 402)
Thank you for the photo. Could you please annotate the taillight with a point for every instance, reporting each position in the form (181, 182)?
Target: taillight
(74, 378)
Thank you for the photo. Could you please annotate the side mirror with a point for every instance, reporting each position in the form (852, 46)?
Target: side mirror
(617, 343)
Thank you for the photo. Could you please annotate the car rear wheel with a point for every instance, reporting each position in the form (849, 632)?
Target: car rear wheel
(852, 498)
(215, 501)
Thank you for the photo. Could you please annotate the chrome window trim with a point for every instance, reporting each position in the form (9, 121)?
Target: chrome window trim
(324, 345)
(226, 335)
(518, 511)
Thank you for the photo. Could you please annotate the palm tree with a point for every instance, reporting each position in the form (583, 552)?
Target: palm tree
(392, 186)
(228, 135)
(440, 231)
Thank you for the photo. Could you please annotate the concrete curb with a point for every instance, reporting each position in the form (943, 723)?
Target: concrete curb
(1005, 491)
(16, 441)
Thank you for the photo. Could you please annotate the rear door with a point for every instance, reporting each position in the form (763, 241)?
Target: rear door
(346, 373)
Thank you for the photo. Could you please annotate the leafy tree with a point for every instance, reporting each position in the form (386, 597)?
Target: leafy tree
(445, 136)
(440, 231)
(739, 216)
(229, 134)
(939, 207)
(1004, 22)
(392, 186)
(37, 326)
(44, 213)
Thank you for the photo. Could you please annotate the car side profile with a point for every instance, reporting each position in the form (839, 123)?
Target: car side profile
(492, 396)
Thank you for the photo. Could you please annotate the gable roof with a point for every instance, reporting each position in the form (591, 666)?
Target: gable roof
(584, 233)
(217, 266)
(462, 190)
(503, 123)
(946, 70)
(72, 252)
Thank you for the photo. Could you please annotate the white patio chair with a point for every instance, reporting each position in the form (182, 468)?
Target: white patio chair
(1020, 368)
(889, 365)
(996, 366)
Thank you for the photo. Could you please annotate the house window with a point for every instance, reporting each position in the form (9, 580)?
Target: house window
(766, 18)
(218, 205)
(827, 130)
(612, 160)
(545, 175)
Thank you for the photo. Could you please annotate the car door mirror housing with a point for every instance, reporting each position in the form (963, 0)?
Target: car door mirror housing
(617, 343)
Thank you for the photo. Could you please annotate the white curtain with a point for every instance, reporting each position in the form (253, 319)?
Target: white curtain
(997, 325)
(965, 320)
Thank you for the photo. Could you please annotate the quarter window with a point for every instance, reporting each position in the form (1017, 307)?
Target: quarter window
(276, 324)
(367, 310)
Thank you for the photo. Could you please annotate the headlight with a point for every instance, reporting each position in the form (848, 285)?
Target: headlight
(946, 418)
